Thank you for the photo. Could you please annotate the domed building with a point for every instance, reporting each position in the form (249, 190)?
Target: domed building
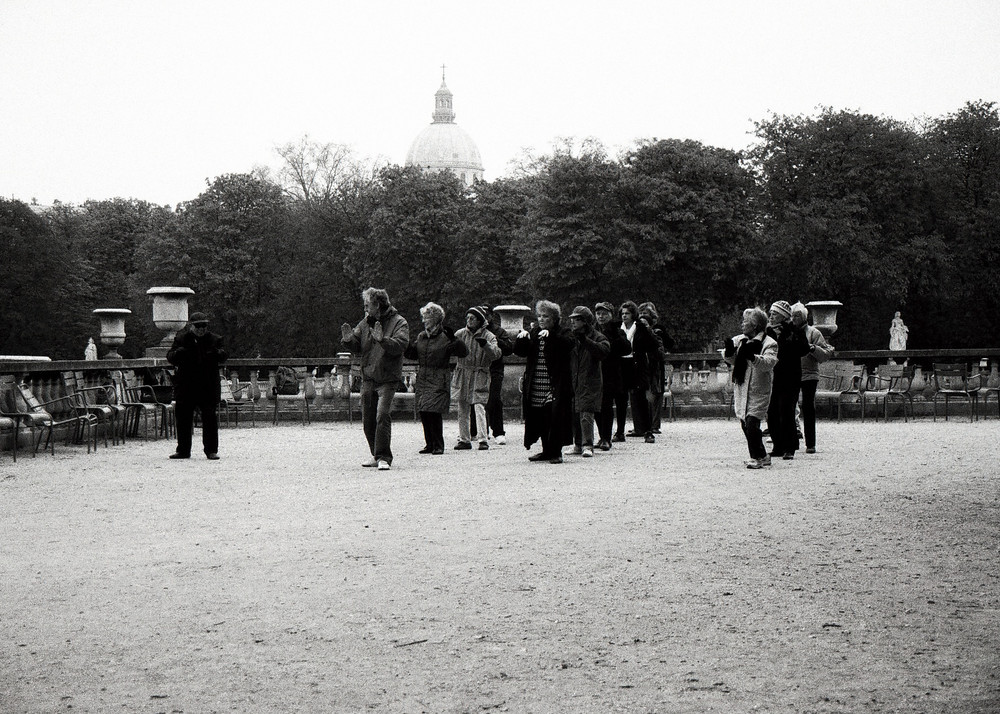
(444, 145)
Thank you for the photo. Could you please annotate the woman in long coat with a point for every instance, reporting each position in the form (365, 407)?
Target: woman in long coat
(753, 356)
(471, 384)
(433, 350)
(792, 346)
(591, 349)
(547, 397)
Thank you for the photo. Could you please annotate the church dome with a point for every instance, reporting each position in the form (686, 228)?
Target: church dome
(444, 145)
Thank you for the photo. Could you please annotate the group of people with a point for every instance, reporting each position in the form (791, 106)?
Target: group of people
(578, 376)
(775, 359)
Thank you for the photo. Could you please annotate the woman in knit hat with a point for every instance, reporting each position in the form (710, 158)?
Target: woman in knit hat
(471, 384)
(792, 346)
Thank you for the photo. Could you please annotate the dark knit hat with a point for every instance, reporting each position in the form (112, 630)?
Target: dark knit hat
(198, 318)
(479, 312)
(608, 307)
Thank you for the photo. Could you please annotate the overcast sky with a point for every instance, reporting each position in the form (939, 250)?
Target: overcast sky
(147, 99)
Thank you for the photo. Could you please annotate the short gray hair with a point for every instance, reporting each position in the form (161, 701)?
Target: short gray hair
(800, 309)
(756, 317)
(380, 296)
(549, 307)
(432, 309)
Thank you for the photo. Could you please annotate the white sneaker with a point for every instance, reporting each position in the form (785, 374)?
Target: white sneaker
(370, 463)
(588, 452)
(383, 466)
(501, 440)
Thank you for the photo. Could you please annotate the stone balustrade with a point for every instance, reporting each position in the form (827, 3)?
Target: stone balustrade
(699, 381)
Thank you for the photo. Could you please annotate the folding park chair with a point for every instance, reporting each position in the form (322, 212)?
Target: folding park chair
(888, 382)
(68, 412)
(75, 385)
(840, 380)
(11, 418)
(952, 381)
(229, 404)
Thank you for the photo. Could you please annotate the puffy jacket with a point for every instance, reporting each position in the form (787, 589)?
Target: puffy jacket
(381, 362)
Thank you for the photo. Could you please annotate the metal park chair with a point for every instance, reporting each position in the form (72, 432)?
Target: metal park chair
(952, 381)
(889, 382)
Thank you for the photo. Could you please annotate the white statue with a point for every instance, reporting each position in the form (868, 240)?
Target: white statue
(897, 334)
(90, 353)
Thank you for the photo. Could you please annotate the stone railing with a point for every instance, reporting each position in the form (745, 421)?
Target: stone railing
(699, 381)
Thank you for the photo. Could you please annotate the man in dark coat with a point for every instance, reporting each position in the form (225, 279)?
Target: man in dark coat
(494, 406)
(792, 346)
(197, 355)
(613, 387)
(547, 397)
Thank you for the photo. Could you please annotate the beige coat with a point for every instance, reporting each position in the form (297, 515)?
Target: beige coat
(754, 396)
(471, 382)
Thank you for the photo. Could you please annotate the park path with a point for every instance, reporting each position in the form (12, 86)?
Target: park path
(654, 578)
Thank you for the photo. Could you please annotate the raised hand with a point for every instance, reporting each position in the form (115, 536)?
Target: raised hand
(543, 333)
(346, 331)
(377, 332)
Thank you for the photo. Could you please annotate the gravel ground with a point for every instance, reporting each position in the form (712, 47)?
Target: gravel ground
(654, 578)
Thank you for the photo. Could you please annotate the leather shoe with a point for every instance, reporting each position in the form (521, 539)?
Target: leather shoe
(540, 456)
(556, 460)
(618, 437)
(426, 450)
(604, 445)
(650, 439)
(462, 446)
(437, 452)
(212, 457)
(632, 433)
(178, 455)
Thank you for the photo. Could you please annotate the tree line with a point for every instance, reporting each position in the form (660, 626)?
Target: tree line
(879, 214)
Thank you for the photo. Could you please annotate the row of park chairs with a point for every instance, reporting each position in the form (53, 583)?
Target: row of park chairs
(891, 383)
(87, 413)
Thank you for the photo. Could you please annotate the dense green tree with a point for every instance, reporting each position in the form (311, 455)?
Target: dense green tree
(568, 245)
(411, 247)
(963, 150)
(227, 245)
(683, 217)
(841, 212)
(40, 288)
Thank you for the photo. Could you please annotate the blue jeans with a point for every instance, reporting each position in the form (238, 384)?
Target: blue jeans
(376, 415)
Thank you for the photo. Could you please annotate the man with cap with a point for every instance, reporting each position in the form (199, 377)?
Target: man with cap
(591, 348)
(470, 385)
(792, 346)
(197, 355)
(613, 386)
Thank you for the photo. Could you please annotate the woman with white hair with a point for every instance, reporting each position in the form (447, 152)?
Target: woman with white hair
(753, 355)
(433, 350)
(547, 397)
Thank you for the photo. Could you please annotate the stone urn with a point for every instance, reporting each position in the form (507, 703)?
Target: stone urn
(512, 317)
(112, 329)
(170, 313)
(824, 313)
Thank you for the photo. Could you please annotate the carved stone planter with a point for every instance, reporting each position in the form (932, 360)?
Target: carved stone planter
(512, 317)
(112, 329)
(824, 314)
(170, 313)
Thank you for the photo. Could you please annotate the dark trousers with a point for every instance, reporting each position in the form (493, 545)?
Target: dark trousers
(621, 411)
(543, 417)
(494, 407)
(781, 419)
(376, 415)
(184, 415)
(755, 440)
(640, 412)
(808, 390)
(655, 410)
(433, 429)
(606, 417)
